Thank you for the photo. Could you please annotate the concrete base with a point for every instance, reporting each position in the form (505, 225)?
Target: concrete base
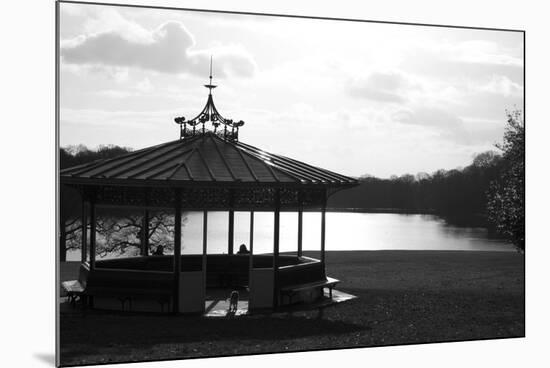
(261, 288)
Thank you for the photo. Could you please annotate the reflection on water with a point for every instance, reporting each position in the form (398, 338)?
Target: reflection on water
(344, 231)
(373, 231)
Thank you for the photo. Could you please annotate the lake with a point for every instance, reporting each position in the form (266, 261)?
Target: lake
(344, 231)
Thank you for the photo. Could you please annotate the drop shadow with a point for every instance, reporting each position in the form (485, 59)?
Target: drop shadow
(47, 358)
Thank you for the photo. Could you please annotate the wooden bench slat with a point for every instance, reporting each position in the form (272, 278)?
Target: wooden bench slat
(73, 286)
(328, 282)
(126, 292)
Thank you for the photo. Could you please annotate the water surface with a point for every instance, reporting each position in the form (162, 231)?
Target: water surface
(344, 231)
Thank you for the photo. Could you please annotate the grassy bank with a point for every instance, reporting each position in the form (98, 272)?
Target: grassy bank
(403, 297)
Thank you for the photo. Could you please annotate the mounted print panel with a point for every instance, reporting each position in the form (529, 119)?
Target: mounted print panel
(238, 183)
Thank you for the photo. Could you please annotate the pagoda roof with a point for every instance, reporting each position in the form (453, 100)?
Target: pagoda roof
(207, 159)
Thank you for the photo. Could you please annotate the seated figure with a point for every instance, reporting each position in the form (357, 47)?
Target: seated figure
(243, 249)
(159, 251)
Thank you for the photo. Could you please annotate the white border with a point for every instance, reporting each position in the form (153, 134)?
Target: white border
(28, 182)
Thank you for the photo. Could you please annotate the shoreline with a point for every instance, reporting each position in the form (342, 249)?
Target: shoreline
(398, 211)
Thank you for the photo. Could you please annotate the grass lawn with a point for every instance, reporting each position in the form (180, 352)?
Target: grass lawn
(403, 297)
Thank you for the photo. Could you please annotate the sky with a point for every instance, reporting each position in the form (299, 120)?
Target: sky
(353, 97)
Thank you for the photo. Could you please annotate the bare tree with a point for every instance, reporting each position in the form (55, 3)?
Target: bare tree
(123, 234)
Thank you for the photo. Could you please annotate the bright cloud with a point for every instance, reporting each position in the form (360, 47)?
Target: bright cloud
(167, 49)
(383, 87)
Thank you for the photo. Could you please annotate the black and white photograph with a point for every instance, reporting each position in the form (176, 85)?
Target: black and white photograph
(234, 183)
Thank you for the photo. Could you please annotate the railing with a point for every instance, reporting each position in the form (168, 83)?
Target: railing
(302, 273)
(221, 269)
(228, 134)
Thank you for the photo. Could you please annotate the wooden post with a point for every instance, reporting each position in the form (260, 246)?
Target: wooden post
(231, 233)
(251, 244)
(250, 259)
(300, 229)
(204, 243)
(145, 233)
(84, 238)
(92, 235)
(62, 240)
(177, 253)
(323, 227)
(276, 228)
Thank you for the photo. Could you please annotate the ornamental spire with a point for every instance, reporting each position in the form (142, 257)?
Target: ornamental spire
(209, 114)
(210, 86)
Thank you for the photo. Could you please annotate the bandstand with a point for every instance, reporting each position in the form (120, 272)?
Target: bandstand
(206, 169)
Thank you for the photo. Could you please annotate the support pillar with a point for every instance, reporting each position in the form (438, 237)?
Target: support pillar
(177, 253)
(92, 235)
(323, 228)
(145, 233)
(251, 259)
(204, 244)
(251, 245)
(231, 234)
(62, 238)
(276, 231)
(84, 234)
(300, 229)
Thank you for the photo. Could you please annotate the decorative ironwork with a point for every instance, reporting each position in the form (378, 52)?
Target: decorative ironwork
(289, 197)
(224, 128)
(205, 198)
(218, 198)
(255, 197)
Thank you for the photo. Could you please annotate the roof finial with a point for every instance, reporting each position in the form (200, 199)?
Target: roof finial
(210, 114)
(210, 85)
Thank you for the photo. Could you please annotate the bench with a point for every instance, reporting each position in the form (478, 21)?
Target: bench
(291, 290)
(74, 289)
(128, 294)
(123, 285)
(127, 286)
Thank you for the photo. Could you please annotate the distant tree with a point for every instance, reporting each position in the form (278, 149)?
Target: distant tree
(506, 203)
(80, 154)
(406, 178)
(486, 159)
(366, 176)
(422, 176)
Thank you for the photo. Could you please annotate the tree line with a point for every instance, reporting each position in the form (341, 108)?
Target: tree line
(456, 193)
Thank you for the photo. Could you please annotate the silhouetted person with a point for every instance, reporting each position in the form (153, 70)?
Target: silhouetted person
(243, 250)
(159, 251)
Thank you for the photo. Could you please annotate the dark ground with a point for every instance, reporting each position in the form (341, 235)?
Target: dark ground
(403, 297)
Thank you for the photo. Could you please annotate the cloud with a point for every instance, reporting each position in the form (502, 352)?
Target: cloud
(468, 60)
(112, 93)
(382, 87)
(444, 124)
(167, 49)
(460, 130)
(141, 88)
(144, 86)
(483, 52)
(502, 85)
